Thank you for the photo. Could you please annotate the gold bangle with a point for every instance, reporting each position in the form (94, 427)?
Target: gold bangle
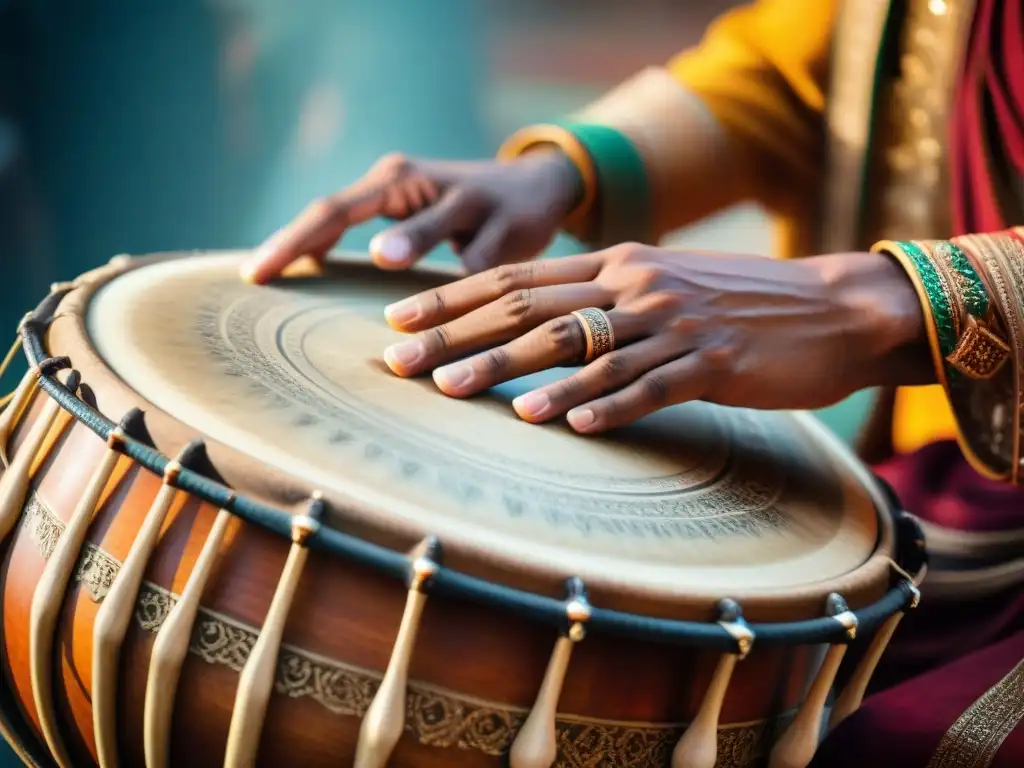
(535, 136)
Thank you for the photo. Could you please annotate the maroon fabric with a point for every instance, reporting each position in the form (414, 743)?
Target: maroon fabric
(989, 106)
(938, 633)
(945, 654)
(938, 484)
(903, 726)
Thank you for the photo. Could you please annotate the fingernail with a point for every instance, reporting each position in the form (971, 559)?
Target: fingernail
(393, 248)
(454, 376)
(532, 405)
(402, 312)
(248, 273)
(248, 269)
(580, 418)
(265, 249)
(405, 354)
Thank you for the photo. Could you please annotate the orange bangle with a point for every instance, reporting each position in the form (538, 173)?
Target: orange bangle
(534, 136)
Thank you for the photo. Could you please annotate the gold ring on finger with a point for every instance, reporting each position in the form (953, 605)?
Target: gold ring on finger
(597, 329)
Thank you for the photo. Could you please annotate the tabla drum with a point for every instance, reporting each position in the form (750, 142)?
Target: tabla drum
(230, 536)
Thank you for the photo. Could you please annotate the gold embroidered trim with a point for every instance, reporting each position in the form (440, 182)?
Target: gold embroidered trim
(979, 353)
(976, 736)
(986, 410)
(1012, 252)
(931, 46)
(1003, 255)
(436, 717)
(858, 38)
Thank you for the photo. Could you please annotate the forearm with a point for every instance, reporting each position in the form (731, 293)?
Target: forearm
(739, 116)
(683, 165)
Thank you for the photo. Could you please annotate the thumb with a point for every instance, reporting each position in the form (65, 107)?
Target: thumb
(401, 246)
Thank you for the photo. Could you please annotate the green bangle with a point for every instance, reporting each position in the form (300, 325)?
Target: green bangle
(623, 192)
(939, 300)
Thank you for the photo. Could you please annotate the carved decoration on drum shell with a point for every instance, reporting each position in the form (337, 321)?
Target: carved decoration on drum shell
(435, 717)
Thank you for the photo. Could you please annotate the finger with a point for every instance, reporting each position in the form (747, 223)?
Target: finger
(315, 230)
(608, 373)
(687, 378)
(394, 187)
(484, 250)
(558, 342)
(402, 245)
(441, 305)
(512, 315)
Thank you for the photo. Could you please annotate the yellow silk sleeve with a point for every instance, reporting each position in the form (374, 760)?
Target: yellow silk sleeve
(761, 69)
(921, 415)
(740, 116)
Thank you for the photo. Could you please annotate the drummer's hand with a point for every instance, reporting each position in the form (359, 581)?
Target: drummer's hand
(736, 330)
(493, 213)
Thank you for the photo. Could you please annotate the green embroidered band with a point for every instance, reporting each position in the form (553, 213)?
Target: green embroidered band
(624, 204)
(941, 299)
(962, 333)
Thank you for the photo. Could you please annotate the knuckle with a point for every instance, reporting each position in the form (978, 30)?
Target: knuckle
(440, 302)
(663, 302)
(615, 367)
(394, 166)
(654, 390)
(518, 305)
(720, 357)
(626, 252)
(497, 361)
(687, 325)
(442, 337)
(509, 277)
(324, 208)
(656, 309)
(566, 336)
(569, 390)
(646, 279)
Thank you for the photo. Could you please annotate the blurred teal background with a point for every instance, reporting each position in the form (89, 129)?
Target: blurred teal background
(133, 127)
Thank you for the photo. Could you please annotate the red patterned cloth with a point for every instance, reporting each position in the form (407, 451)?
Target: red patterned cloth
(989, 109)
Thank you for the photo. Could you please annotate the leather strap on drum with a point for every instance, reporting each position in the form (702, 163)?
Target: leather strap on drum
(256, 683)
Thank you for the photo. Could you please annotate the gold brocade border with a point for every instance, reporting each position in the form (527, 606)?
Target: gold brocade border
(434, 716)
(859, 31)
(932, 43)
(976, 736)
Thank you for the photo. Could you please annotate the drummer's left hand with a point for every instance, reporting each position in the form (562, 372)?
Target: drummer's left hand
(736, 330)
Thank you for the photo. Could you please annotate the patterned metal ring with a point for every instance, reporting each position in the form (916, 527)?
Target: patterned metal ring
(598, 330)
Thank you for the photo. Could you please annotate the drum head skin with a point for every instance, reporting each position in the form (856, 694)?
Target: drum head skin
(695, 501)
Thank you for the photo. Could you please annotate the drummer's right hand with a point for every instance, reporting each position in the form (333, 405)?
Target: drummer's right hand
(492, 213)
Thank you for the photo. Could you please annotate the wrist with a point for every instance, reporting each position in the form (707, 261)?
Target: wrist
(559, 180)
(570, 164)
(881, 310)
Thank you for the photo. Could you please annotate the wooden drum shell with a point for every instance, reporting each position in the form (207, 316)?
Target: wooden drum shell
(475, 671)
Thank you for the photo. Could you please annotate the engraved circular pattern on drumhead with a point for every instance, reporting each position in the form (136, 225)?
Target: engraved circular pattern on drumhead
(293, 376)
